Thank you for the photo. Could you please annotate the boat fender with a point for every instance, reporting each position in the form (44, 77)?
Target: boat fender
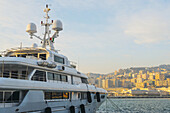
(72, 109)
(89, 97)
(98, 96)
(48, 110)
(82, 107)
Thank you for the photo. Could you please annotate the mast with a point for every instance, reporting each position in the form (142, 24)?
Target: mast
(47, 31)
(47, 40)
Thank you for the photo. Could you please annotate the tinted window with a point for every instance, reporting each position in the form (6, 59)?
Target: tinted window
(39, 76)
(42, 56)
(57, 77)
(65, 95)
(1, 97)
(64, 78)
(84, 80)
(47, 95)
(83, 95)
(23, 76)
(14, 74)
(57, 95)
(50, 76)
(103, 96)
(15, 96)
(58, 59)
(6, 74)
(7, 97)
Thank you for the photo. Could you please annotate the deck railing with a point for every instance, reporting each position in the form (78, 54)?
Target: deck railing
(13, 75)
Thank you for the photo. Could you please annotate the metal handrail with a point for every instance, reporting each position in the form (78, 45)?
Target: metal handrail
(19, 76)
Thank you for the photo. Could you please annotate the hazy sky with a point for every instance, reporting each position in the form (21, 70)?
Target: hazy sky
(101, 35)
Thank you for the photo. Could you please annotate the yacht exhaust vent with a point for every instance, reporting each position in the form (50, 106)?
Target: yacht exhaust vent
(61, 68)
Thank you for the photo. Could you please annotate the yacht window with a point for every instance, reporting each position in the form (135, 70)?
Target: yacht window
(64, 78)
(78, 95)
(6, 74)
(1, 97)
(23, 75)
(84, 80)
(15, 71)
(103, 96)
(39, 76)
(12, 56)
(42, 56)
(83, 95)
(47, 95)
(58, 59)
(35, 55)
(7, 97)
(14, 74)
(54, 76)
(50, 76)
(65, 95)
(27, 55)
(56, 95)
(15, 96)
(71, 79)
(95, 96)
(57, 77)
(23, 55)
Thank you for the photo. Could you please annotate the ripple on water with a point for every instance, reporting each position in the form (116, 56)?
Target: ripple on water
(136, 106)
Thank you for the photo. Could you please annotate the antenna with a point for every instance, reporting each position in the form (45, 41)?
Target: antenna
(46, 40)
(21, 45)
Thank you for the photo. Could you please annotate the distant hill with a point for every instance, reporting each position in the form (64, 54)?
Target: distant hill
(134, 69)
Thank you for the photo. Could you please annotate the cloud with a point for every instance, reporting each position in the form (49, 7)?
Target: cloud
(148, 26)
(85, 5)
(14, 18)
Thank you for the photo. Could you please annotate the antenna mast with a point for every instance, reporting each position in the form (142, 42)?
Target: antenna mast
(47, 31)
(47, 40)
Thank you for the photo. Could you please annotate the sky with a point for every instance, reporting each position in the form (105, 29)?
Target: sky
(100, 35)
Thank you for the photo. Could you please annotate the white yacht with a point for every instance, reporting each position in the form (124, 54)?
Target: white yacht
(40, 80)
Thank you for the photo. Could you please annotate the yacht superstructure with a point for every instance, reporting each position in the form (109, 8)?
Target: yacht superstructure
(40, 80)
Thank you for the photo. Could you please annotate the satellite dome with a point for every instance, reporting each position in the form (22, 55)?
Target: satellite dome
(31, 28)
(57, 25)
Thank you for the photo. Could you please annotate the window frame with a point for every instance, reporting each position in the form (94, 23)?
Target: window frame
(60, 58)
(38, 79)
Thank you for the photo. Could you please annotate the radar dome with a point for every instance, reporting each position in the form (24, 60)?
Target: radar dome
(57, 25)
(31, 28)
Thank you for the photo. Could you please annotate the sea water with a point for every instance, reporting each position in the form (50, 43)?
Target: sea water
(143, 105)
